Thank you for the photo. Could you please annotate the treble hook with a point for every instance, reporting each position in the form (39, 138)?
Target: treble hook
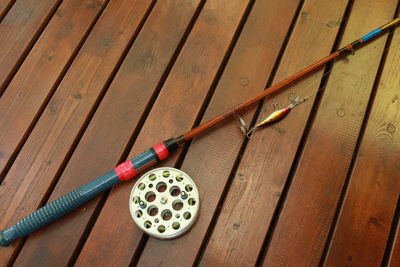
(241, 123)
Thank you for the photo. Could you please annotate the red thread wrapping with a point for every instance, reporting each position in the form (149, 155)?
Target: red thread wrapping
(161, 151)
(125, 170)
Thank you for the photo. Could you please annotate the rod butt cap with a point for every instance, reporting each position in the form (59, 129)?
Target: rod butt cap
(3, 241)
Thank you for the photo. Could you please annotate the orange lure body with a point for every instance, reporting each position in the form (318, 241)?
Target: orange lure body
(275, 116)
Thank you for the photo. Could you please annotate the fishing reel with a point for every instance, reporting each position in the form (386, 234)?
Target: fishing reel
(164, 203)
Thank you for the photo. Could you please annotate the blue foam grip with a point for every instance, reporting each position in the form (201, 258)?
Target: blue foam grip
(58, 208)
(146, 158)
(67, 203)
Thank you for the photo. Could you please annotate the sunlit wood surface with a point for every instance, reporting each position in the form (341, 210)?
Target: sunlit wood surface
(85, 84)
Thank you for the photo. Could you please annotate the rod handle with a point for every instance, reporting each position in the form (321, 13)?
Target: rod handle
(57, 208)
(67, 203)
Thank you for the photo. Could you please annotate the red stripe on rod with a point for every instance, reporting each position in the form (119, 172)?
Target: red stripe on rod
(161, 151)
(125, 170)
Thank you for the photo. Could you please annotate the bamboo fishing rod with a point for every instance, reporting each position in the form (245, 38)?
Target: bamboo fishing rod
(129, 169)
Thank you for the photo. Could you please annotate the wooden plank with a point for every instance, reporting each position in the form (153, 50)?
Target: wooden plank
(211, 157)
(19, 31)
(50, 56)
(371, 198)
(248, 208)
(111, 127)
(306, 217)
(395, 253)
(115, 237)
(43, 155)
(5, 5)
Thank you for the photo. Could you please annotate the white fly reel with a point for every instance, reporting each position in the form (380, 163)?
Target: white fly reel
(164, 203)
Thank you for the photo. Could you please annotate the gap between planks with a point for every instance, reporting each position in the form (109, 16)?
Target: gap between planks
(390, 257)
(5, 7)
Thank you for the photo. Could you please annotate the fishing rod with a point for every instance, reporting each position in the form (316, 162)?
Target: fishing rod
(129, 169)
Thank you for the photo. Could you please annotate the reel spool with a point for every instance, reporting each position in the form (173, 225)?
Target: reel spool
(164, 203)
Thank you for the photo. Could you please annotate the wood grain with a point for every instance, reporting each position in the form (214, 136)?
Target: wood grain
(110, 129)
(18, 32)
(306, 217)
(25, 95)
(371, 198)
(46, 149)
(258, 182)
(175, 110)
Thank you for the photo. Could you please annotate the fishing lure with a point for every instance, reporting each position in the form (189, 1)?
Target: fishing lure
(277, 115)
(274, 117)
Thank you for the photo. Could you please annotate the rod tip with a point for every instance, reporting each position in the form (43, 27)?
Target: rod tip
(392, 23)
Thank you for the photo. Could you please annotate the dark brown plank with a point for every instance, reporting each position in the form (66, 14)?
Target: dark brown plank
(26, 93)
(5, 5)
(306, 217)
(18, 31)
(175, 110)
(395, 253)
(248, 208)
(111, 127)
(371, 198)
(47, 147)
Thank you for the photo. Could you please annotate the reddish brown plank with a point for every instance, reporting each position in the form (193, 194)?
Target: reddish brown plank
(18, 31)
(28, 90)
(5, 5)
(175, 110)
(248, 208)
(395, 253)
(111, 127)
(307, 214)
(372, 195)
(50, 142)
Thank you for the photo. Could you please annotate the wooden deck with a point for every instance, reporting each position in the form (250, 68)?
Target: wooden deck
(85, 84)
